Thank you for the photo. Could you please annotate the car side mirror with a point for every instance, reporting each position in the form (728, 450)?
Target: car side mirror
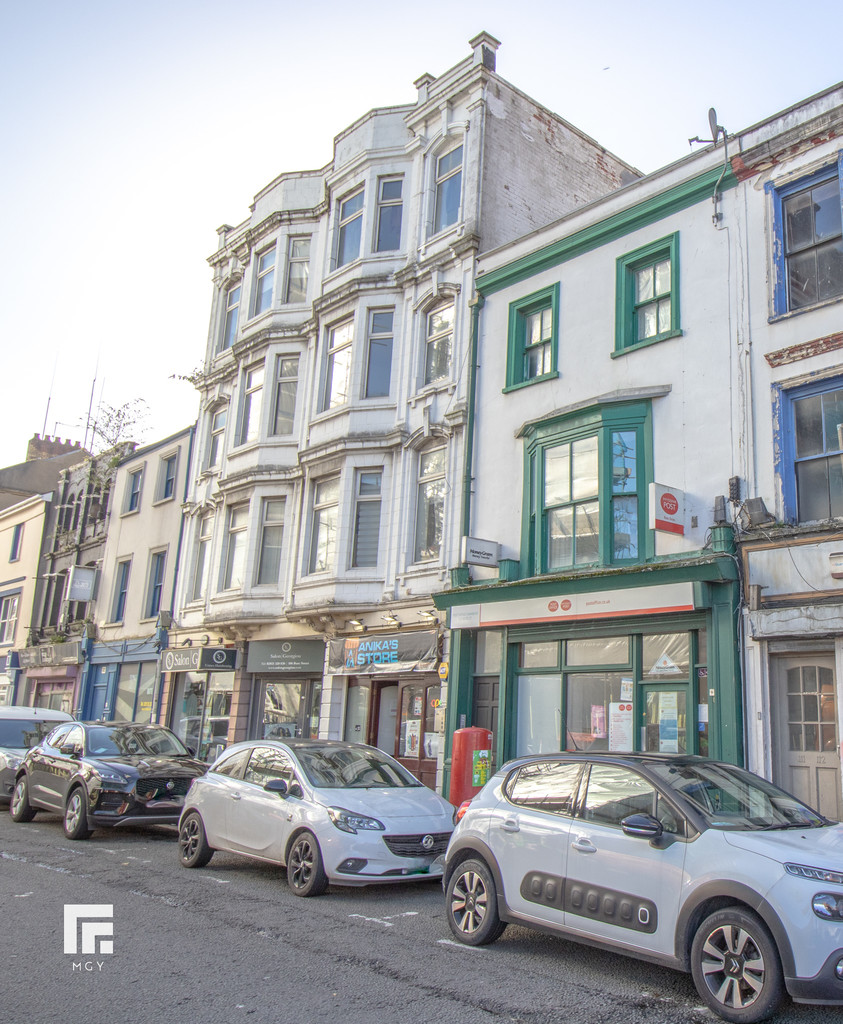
(278, 786)
(644, 826)
(70, 750)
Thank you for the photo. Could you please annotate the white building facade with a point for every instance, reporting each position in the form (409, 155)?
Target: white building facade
(655, 371)
(326, 504)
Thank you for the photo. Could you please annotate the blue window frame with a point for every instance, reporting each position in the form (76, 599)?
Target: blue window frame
(808, 240)
(810, 439)
(133, 491)
(17, 539)
(156, 583)
(121, 589)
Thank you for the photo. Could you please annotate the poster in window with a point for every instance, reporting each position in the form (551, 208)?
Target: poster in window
(598, 721)
(412, 738)
(669, 723)
(620, 726)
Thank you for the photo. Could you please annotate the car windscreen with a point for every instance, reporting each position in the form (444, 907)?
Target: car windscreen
(104, 741)
(19, 733)
(352, 768)
(731, 798)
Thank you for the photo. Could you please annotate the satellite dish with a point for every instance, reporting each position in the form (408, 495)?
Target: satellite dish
(713, 125)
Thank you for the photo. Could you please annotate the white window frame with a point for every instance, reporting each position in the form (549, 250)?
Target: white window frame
(216, 436)
(379, 337)
(364, 501)
(261, 299)
(280, 381)
(236, 540)
(388, 205)
(344, 222)
(230, 317)
(339, 354)
(424, 481)
(325, 512)
(268, 527)
(297, 261)
(249, 427)
(440, 181)
(201, 558)
(433, 339)
(9, 605)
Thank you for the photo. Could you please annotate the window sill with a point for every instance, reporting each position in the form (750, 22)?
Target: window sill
(163, 501)
(646, 344)
(527, 383)
(130, 512)
(791, 313)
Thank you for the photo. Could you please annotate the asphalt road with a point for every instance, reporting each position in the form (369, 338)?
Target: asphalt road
(230, 943)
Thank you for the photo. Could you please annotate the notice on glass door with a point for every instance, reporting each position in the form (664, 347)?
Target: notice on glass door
(620, 726)
(669, 723)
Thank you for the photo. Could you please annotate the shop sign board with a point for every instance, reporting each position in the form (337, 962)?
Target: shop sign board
(561, 607)
(199, 659)
(479, 552)
(388, 653)
(81, 583)
(667, 509)
(69, 653)
(297, 657)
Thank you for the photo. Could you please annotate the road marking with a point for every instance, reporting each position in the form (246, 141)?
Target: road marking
(460, 945)
(12, 856)
(219, 881)
(385, 921)
(22, 895)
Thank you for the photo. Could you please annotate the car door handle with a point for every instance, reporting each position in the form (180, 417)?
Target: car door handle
(584, 845)
(510, 825)
(235, 796)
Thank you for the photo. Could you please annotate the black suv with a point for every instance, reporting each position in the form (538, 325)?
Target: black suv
(104, 773)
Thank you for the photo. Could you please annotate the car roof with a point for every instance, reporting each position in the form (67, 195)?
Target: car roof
(611, 757)
(22, 712)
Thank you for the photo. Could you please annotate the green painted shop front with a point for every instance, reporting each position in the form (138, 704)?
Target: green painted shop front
(638, 660)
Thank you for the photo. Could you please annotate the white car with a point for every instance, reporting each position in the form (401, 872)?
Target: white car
(328, 811)
(683, 861)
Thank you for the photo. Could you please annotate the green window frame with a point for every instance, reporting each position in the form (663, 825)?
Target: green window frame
(647, 299)
(586, 480)
(533, 339)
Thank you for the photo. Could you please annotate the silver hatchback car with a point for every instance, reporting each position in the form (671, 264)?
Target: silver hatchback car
(680, 860)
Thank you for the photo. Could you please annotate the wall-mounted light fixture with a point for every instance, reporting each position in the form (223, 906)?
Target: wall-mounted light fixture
(391, 620)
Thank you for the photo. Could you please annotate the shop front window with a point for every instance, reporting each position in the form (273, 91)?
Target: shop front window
(202, 712)
(291, 709)
(417, 737)
(135, 692)
(356, 712)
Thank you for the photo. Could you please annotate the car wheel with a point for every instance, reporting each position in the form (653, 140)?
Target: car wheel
(736, 966)
(472, 902)
(19, 807)
(305, 873)
(194, 851)
(75, 815)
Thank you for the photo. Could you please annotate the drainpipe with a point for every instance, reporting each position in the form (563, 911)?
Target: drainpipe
(476, 304)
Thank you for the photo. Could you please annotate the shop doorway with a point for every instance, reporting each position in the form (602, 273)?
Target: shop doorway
(202, 712)
(399, 717)
(806, 757)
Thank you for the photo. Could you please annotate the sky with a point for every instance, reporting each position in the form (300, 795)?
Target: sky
(131, 131)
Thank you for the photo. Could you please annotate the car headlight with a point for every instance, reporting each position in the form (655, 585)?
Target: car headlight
(348, 821)
(815, 874)
(9, 761)
(107, 775)
(828, 906)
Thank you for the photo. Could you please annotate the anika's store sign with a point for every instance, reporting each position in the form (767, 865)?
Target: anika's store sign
(365, 655)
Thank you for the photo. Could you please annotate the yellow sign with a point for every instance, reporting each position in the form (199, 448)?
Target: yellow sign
(443, 671)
